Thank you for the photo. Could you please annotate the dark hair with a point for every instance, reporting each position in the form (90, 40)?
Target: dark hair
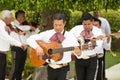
(33, 24)
(86, 16)
(19, 12)
(59, 16)
(98, 20)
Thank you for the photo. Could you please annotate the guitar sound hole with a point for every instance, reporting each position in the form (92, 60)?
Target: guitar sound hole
(50, 51)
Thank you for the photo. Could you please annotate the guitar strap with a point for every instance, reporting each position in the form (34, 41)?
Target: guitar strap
(63, 32)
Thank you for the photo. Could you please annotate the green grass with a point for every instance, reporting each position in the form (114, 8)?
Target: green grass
(110, 60)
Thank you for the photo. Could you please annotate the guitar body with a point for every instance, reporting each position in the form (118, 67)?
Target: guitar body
(45, 46)
(34, 58)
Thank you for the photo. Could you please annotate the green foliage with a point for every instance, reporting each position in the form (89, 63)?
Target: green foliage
(39, 5)
(74, 19)
(113, 17)
(34, 8)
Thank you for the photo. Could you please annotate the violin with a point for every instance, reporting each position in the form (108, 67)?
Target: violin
(17, 30)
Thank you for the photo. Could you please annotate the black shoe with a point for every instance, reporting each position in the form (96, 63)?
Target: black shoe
(105, 79)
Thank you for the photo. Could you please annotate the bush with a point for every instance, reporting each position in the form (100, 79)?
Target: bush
(114, 19)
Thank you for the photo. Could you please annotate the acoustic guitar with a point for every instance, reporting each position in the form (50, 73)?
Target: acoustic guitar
(52, 50)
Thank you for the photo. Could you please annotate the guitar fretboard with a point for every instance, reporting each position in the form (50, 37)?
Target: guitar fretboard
(60, 50)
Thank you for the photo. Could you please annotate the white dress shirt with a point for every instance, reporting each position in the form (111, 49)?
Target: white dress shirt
(5, 39)
(96, 32)
(106, 45)
(29, 33)
(69, 41)
(21, 27)
(21, 38)
(105, 26)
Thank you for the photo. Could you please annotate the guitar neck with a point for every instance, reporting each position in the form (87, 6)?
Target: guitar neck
(115, 34)
(60, 50)
(102, 37)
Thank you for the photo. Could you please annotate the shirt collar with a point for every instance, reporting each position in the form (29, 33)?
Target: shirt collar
(61, 32)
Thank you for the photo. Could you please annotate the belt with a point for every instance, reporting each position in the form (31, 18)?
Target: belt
(89, 56)
(4, 52)
(56, 66)
(100, 55)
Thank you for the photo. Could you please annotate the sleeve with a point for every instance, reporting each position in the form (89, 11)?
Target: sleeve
(75, 30)
(70, 41)
(106, 45)
(4, 36)
(107, 27)
(31, 41)
(24, 27)
(37, 30)
(99, 43)
(74, 42)
(99, 47)
(21, 27)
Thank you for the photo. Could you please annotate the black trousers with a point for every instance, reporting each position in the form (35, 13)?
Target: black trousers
(99, 75)
(18, 62)
(57, 74)
(104, 60)
(2, 65)
(86, 68)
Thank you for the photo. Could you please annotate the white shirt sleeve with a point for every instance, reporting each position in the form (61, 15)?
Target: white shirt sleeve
(106, 45)
(5, 37)
(31, 41)
(24, 27)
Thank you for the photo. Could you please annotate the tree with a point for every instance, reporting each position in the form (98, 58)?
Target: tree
(35, 8)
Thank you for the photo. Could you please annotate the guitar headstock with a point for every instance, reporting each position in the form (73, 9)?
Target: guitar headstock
(116, 34)
(81, 40)
(101, 37)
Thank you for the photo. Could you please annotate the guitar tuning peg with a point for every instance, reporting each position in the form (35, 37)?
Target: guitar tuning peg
(81, 40)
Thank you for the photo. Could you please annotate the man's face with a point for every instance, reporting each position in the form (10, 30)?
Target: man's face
(21, 17)
(96, 23)
(9, 19)
(96, 14)
(87, 24)
(58, 25)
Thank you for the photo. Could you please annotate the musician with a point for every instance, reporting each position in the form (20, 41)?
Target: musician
(86, 64)
(5, 40)
(33, 29)
(57, 69)
(18, 54)
(106, 44)
(105, 26)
